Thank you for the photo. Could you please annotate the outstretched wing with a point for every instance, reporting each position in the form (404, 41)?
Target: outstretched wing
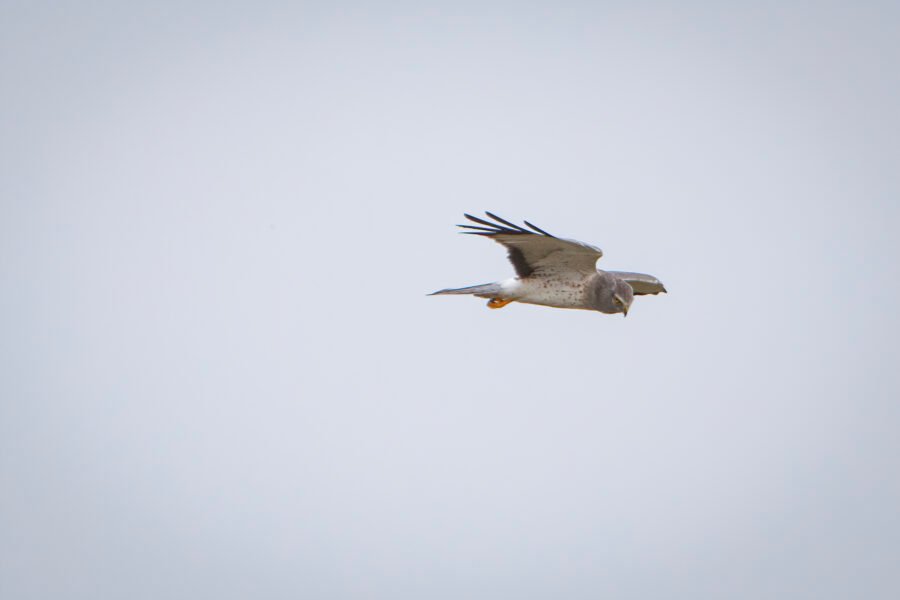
(536, 250)
(641, 283)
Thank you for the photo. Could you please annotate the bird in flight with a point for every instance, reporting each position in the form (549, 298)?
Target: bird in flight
(552, 271)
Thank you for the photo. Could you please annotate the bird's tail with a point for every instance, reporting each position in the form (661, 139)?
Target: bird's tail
(487, 290)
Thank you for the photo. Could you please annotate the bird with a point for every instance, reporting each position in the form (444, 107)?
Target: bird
(553, 271)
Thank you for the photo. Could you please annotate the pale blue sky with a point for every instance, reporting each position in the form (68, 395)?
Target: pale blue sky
(221, 376)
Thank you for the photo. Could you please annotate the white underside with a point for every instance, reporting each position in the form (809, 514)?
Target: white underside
(556, 291)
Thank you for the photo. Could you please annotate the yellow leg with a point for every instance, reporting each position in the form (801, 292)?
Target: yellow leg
(497, 303)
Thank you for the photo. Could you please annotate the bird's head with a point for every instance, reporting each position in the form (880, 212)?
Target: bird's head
(622, 297)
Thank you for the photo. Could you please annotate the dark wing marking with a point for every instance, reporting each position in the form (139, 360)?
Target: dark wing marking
(519, 262)
(477, 227)
(507, 223)
(538, 229)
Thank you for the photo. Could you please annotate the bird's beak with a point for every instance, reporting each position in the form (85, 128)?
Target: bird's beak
(624, 312)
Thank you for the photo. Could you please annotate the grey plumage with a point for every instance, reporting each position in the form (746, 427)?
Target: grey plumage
(603, 290)
(486, 290)
(641, 284)
(552, 271)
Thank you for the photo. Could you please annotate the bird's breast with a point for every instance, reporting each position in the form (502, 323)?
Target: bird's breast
(559, 292)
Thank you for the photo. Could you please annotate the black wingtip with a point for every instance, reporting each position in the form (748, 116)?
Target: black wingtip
(477, 227)
(505, 222)
(480, 221)
(501, 226)
(539, 230)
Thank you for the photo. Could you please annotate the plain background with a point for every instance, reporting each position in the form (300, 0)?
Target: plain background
(221, 377)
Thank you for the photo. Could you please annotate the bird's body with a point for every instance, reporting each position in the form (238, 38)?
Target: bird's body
(555, 272)
(559, 290)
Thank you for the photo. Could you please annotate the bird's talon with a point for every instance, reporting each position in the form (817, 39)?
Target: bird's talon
(497, 303)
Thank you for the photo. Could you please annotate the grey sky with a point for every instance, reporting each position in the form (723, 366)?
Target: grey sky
(221, 377)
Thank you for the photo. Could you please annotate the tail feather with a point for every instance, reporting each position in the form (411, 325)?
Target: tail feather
(487, 290)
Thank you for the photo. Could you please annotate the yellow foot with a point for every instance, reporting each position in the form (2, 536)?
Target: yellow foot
(497, 303)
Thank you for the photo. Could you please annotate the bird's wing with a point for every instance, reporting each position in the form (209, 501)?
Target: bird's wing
(641, 283)
(536, 250)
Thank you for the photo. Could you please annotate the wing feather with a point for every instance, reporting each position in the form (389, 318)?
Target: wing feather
(538, 229)
(537, 251)
(641, 283)
(518, 228)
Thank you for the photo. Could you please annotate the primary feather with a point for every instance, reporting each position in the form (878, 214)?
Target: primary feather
(531, 251)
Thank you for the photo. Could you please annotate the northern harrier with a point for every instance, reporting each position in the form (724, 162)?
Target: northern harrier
(552, 271)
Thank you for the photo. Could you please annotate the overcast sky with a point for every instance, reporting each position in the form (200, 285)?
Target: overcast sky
(221, 377)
